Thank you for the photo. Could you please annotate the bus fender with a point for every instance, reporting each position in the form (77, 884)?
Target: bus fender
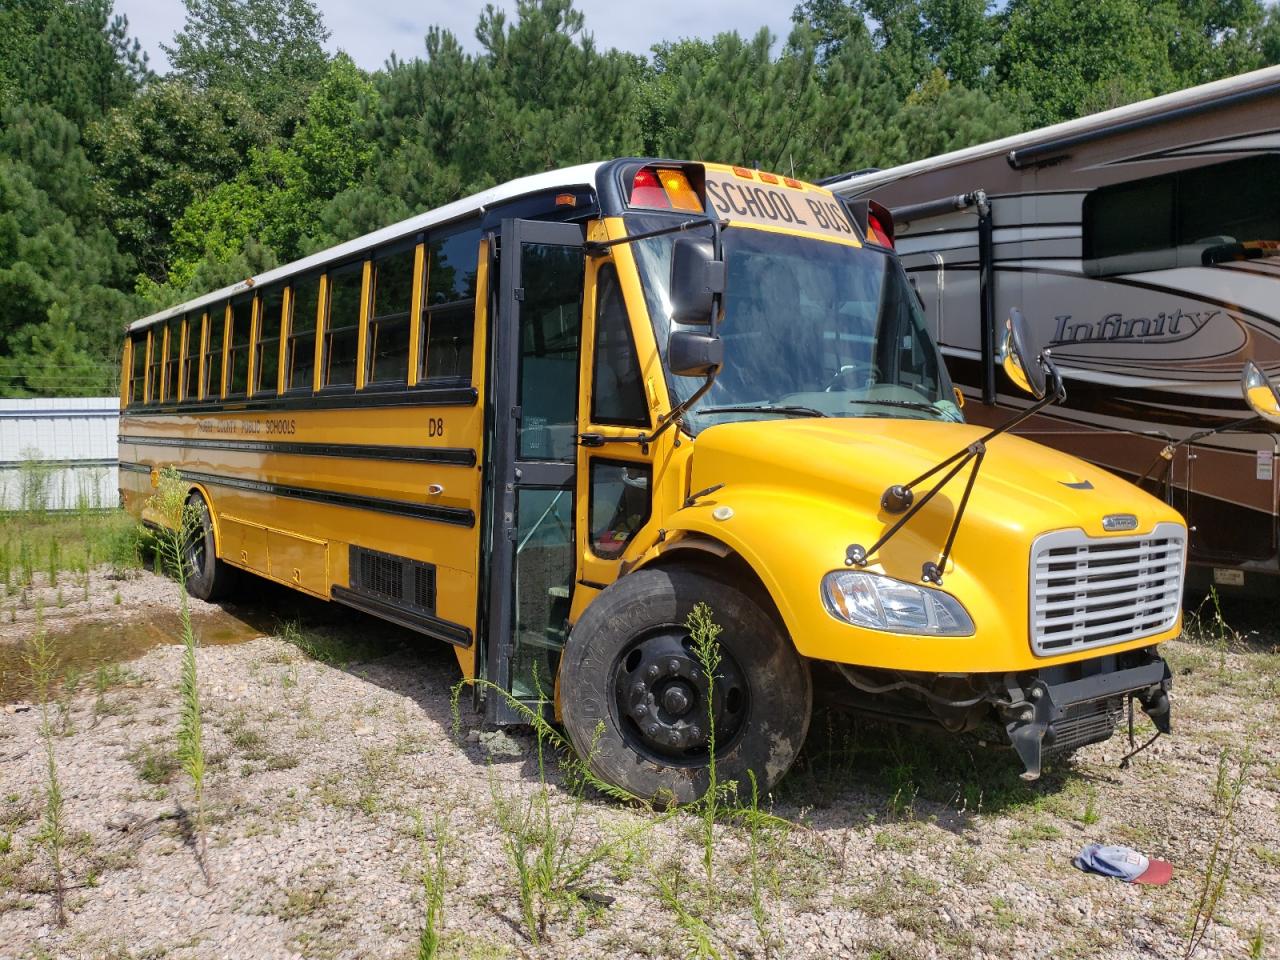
(213, 515)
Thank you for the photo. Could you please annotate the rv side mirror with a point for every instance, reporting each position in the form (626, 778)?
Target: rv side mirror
(1023, 360)
(1260, 392)
(692, 354)
(696, 277)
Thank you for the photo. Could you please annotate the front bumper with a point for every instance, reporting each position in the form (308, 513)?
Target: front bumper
(1058, 709)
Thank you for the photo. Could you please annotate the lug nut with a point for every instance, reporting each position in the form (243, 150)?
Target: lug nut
(653, 729)
(673, 666)
(641, 710)
(652, 672)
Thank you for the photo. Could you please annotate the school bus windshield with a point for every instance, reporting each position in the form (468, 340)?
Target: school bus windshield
(810, 328)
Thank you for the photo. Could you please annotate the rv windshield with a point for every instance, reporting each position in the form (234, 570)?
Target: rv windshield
(810, 328)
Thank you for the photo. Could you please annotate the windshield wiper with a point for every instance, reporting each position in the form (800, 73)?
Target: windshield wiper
(788, 410)
(905, 404)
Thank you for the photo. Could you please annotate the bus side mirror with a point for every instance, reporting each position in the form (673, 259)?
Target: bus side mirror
(1023, 360)
(1260, 392)
(692, 354)
(697, 277)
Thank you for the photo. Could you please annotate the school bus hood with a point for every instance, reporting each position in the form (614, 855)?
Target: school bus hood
(800, 491)
(1022, 486)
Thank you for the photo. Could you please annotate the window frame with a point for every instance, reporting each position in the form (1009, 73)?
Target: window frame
(422, 337)
(228, 362)
(410, 245)
(360, 265)
(215, 325)
(185, 378)
(634, 352)
(137, 398)
(170, 369)
(592, 463)
(288, 336)
(260, 315)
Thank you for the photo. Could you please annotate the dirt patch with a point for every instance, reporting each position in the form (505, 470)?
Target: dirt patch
(332, 784)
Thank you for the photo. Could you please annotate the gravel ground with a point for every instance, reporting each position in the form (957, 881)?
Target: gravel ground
(882, 843)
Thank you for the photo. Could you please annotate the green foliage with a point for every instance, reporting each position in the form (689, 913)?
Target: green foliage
(122, 192)
(42, 662)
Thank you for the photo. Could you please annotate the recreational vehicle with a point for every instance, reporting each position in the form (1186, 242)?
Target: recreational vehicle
(1143, 244)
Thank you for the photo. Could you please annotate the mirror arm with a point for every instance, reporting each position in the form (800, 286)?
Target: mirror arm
(1166, 452)
(598, 248)
(899, 496)
(645, 440)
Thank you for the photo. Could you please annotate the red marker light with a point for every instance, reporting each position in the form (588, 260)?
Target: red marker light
(877, 234)
(646, 191)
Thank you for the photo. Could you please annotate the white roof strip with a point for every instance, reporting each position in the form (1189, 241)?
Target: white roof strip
(581, 175)
(1097, 121)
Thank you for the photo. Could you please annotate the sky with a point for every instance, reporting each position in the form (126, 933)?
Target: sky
(369, 30)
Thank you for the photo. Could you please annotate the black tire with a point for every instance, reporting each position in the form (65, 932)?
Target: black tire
(625, 654)
(208, 578)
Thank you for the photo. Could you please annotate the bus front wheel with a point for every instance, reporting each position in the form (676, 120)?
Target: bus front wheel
(636, 702)
(208, 578)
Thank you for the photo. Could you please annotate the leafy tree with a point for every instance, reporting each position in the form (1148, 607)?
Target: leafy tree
(61, 309)
(164, 150)
(269, 51)
(75, 57)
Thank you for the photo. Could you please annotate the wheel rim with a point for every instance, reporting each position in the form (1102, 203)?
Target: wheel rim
(660, 690)
(195, 552)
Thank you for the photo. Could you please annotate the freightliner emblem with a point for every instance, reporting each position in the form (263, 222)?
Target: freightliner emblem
(1119, 521)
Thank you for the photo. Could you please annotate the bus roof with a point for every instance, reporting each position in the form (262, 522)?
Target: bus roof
(581, 175)
(1026, 148)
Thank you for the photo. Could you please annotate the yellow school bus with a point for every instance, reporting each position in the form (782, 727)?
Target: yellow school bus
(543, 423)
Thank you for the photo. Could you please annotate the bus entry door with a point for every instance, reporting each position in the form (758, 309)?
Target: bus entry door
(534, 377)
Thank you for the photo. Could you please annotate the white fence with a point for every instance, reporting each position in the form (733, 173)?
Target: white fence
(59, 454)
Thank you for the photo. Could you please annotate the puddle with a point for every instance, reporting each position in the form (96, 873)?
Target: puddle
(82, 648)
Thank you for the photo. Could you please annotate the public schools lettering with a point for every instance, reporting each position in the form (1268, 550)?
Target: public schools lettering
(733, 198)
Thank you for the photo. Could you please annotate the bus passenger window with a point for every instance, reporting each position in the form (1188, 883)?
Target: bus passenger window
(617, 393)
(342, 330)
(156, 352)
(213, 351)
(619, 504)
(238, 356)
(138, 370)
(266, 366)
(388, 336)
(300, 357)
(448, 313)
(172, 356)
(191, 372)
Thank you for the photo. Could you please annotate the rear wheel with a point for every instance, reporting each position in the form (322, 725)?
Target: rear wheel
(208, 578)
(634, 694)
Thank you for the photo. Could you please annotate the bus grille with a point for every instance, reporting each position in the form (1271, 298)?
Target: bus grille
(1093, 591)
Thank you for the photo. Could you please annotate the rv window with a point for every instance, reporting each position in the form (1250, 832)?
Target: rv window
(1190, 218)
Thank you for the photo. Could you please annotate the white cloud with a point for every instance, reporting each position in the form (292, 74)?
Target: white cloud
(370, 31)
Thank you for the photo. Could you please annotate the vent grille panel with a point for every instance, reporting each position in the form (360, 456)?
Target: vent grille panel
(384, 576)
(1090, 592)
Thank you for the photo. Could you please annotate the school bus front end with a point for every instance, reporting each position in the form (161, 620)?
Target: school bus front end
(1011, 590)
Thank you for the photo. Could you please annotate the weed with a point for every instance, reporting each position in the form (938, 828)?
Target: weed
(1258, 943)
(154, 764)
(54, 565)
(1217, 871)
(669, 882)
(433, 878)
(182, 524)
(703, 631)
(42, 663)
(324, 646)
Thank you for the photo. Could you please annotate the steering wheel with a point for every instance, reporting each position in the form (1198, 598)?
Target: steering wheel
(844, 369)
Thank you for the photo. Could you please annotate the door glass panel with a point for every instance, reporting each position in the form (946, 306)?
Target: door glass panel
(543, 581)
(619, 495)
(550, 327)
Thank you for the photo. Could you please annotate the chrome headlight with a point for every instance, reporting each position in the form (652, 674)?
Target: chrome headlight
(882, 603)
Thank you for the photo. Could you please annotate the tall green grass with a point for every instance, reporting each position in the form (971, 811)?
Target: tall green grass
(42, 662)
